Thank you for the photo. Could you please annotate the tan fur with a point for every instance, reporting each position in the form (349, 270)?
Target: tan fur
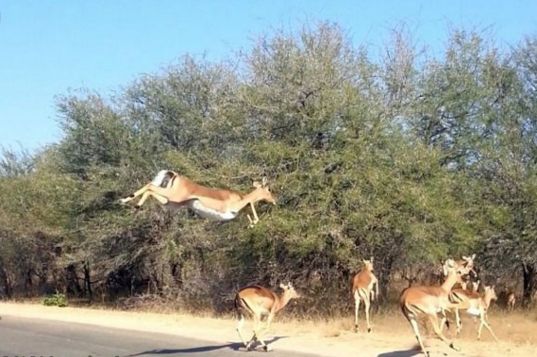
(431, 300)
(180, 190)
(511, 301)
(475, 305)
(362, 290)
(260, 302)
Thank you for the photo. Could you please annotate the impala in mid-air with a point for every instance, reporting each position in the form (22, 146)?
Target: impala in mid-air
(169, 187)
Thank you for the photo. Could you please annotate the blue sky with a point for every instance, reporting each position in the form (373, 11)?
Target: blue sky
(51, 46)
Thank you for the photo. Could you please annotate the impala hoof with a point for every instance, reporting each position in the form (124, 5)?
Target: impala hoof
(267, 348)
(369, 330)
(453, 346)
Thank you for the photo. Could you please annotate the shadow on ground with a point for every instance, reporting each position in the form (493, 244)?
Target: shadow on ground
(236, 346)
(401, 353)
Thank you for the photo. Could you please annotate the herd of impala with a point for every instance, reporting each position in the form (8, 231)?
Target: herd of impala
(260, 303)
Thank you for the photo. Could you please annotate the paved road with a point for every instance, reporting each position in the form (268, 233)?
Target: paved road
(35, 337)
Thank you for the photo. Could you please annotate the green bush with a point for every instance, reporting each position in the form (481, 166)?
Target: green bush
(56, 299)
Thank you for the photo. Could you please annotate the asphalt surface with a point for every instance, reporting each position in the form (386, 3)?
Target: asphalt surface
(36, 337)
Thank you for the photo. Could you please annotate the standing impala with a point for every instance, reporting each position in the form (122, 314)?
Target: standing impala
(362, 289)
(431, 300)
(260, 302)
(511, 301)
(168, 187)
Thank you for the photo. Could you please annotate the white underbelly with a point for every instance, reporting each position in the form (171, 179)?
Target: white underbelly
(473, 311)
(210, 213)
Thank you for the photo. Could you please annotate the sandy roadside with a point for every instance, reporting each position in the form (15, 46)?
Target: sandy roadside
(306, 336)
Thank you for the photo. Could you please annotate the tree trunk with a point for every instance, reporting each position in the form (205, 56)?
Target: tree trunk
(28, 284)
(530, 283)
(72, 285)
(5, 282)
(87, 281)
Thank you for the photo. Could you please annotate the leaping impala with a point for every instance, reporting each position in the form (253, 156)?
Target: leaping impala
(362, 290)
(260, 302)
(168, 187)
(431, 300)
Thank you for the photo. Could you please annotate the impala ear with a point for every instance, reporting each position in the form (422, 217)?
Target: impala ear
(264, 181)
(371, 259)
(283, 286)
(473, 256)
(256, 184)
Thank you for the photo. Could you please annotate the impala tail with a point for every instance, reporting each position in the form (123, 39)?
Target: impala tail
(163, 178)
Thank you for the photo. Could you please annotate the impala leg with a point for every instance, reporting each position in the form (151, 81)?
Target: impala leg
(367, 304)
(240, 325)
(444, 321)
(414, 325)
(458, 321)
(484, 323)
(356, 309)
(262, 331)
(257, 322)
(256, 218)
(434, 322)
(135, 194)
(147, 194)
(251, 224)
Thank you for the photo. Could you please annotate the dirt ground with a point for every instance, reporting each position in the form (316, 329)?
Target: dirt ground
(391, 336)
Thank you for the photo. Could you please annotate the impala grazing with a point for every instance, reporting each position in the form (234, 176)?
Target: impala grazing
(260, 302)
(431, 300)
(362, 290)
(475, 305)
(168, 187)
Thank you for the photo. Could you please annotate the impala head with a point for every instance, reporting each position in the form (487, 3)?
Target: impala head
(450, 266)
(468, 262)
(368, 264)
(289, 291)
(490, 292)
(263, 191)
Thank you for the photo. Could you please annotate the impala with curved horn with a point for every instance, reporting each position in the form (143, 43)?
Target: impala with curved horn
(169, 187)
(260, 303)
(431, 300)
(362, 290)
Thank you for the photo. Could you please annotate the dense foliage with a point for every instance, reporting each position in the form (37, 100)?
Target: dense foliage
(404, 157)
